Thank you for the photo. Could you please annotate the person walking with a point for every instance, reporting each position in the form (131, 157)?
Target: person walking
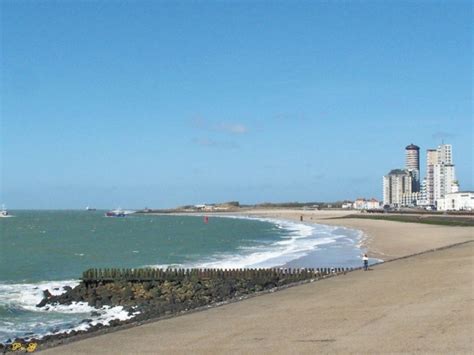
(365, 258)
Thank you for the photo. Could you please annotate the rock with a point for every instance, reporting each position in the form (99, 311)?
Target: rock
(91, 300)
(114, 322)
(115, 300)
(47, 296)
(157, 298)
(43, 303)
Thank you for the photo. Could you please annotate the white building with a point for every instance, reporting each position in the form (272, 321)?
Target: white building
(359, 204)
(431, 161)
(373, 204)
(440, 173)
(366, 204)
(445, 154)
(396, 183)
(457, 201)
(411, 199)
(444, 180)
(422, 196)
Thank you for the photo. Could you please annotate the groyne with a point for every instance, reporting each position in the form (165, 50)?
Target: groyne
(94, 276)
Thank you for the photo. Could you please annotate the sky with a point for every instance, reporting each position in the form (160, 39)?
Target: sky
(165, 103)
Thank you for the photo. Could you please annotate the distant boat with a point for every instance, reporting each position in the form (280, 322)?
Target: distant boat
(4, 213)
(118, 213)
(115, 213)
(90, 209)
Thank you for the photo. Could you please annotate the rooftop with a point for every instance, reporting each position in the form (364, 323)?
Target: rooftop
(397, 172)
(412, 147)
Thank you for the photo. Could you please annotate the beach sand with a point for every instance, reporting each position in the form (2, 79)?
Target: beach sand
(417, 304)
(383, 239)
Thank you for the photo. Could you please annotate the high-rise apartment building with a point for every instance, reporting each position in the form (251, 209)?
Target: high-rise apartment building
(412, 157)
(412, 164)
(445, 154)
(401, 187)
(440, 173)
(431, 161)
(396, 184)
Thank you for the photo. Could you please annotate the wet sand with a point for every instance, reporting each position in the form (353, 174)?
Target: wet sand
(384, 239)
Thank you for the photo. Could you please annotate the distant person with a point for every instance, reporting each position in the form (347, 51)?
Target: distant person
(365, 258)
(301, 218)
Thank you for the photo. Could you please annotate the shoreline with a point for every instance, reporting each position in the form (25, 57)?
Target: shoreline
(383, 239)
(193, 330)
(312, 257)
(311, 217)
(291, 226)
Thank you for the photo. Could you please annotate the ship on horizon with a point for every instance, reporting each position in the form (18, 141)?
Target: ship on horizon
(118, 213)
(4, 213)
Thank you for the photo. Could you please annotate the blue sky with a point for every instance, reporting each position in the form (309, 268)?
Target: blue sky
(158, 104)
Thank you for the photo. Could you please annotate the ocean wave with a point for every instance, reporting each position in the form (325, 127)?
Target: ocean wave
(27, 296)
(300, 240)
(20, 300)
(22, 317)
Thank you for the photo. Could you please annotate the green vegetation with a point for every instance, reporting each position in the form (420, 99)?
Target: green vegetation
(436, 220)
(310, 205)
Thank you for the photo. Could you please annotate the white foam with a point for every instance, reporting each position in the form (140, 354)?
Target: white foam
(301, 240)
(26, 296)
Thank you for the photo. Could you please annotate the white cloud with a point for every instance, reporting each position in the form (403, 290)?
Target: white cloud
(233, 128)
(222, 126)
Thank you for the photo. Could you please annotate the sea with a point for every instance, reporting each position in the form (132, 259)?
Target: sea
(50, 249)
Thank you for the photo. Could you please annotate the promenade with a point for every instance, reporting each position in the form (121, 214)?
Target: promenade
(418, 304)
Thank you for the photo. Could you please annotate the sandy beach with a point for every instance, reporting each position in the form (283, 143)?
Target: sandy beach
(383, 239)
(417, 304)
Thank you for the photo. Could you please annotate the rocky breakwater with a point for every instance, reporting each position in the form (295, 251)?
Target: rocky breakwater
(154, 293)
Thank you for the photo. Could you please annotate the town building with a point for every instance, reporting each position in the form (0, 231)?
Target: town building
(395, 184)
(431, 161)
(402, 187)
(412, 164)
(411, 199)
(422, 195)
(366, 204)
(456, 201)
(347, 205)
(440, 173)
